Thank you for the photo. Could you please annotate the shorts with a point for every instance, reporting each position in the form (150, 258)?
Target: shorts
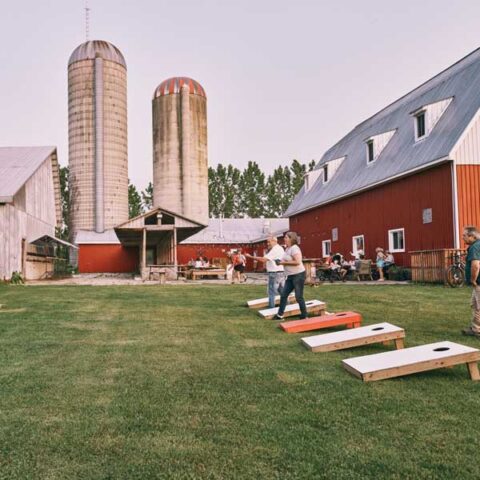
(380, 263)
(239, 268)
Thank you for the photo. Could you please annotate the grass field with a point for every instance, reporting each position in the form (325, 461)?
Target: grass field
(185, 382)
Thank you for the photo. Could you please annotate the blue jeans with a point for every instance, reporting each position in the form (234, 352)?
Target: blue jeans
(276, 281)
(294, 282)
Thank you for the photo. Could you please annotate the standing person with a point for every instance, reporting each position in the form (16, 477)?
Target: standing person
(243, 260)
(380, 262)
(276, 275)
(471, 236)
(295, 272)
(238, 265)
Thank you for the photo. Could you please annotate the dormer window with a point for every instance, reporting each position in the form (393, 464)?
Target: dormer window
(426, 117)
(376, 144)
(370, 151)
(420, 125)
(325, 173)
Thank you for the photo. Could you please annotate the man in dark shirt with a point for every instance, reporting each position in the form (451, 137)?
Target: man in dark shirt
(471, 237)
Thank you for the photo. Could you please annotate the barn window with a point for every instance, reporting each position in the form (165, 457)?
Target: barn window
(420, 125)
(370, 151)
(325, 173)
(358, 245)
(326, 248)
(396, 240)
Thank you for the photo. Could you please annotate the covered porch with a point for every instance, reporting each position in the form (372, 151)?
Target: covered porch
(156, 234)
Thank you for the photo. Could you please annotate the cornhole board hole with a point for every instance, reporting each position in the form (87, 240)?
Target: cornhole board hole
(313, 306)
(349, 319)
(356, 337)
(263, 302)
(412, 360)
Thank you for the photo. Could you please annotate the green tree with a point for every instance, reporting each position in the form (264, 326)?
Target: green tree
(252, 192)
(134, 201)
(63, 230)
(147, 197)
(224, 191)
(298, 173)
(278, 192)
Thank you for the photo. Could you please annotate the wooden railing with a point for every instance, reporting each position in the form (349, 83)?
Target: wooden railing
(429, 266)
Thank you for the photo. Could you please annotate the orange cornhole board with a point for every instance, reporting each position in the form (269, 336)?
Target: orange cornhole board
(349, 319)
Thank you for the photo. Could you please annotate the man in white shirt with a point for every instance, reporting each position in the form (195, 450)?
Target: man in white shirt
(276, 276)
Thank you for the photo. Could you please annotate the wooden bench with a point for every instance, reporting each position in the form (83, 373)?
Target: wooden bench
(348, 319)
(263, 302)
(413, 360)
(356, 337)
(313, 306)
(214, 272)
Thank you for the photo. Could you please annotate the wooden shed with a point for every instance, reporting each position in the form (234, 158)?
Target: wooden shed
(30, 209)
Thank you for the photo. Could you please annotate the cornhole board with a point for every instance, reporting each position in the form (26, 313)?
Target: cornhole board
(356, 337)
(413, 360)
(263, 302)
(349, 319)
(313, 306)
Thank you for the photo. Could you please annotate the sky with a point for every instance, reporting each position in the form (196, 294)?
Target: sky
(284, 79)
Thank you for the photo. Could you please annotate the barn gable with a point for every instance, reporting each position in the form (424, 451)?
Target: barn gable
(452, 102)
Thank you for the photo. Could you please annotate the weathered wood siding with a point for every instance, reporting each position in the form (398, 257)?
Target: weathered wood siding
(33, 214)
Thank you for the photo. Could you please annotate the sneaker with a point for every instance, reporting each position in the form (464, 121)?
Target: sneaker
(278, 317)
(470, 333)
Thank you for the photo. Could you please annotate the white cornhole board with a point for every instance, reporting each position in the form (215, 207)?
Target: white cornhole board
(413, 360)
(313, 306)
(355, 337)
(263, 302)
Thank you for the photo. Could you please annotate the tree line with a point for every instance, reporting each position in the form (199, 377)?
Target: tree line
(233, 193)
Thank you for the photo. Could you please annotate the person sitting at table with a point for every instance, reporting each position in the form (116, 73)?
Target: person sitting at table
(358, 261)
(337, 265)
(389, 262)
(206, 263)
(198, 262)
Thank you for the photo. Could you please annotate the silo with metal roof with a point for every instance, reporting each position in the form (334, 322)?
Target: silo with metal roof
(97, 132)
(180, 159)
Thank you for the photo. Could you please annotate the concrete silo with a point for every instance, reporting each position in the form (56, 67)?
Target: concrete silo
(180, 159)
(97, 132)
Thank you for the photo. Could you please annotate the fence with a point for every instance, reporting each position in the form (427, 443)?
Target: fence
(429, 266)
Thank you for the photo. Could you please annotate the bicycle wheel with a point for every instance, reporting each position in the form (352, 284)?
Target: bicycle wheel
(455, 276)
(321, 275)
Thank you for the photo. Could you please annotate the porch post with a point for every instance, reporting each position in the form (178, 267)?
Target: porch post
(144, 251)
(175, 259)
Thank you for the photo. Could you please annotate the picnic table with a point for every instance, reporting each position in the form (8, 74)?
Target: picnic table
(196, 273)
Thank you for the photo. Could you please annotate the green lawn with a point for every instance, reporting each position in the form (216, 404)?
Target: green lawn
(185, 382)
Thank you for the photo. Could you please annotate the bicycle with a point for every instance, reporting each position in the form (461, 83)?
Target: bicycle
(455, 274)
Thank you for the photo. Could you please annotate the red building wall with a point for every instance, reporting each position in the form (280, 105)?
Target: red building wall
(468, 191)
(107, 258)
(187, 252)
(398, 204)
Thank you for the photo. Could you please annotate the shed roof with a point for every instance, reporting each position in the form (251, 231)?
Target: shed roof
(402, 155)
(239, 230)
(83, 237)
(17, 165)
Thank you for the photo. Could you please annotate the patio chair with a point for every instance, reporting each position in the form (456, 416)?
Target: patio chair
(364, 269)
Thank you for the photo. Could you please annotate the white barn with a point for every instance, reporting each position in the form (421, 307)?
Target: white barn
(30, 209)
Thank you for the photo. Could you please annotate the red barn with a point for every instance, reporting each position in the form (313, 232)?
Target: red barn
(223, 235)
(406, 179)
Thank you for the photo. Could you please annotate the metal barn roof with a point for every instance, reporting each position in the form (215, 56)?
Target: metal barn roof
(97, 48)
(239, 230)
(402, 154)
(90, 237)
(17, 165)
